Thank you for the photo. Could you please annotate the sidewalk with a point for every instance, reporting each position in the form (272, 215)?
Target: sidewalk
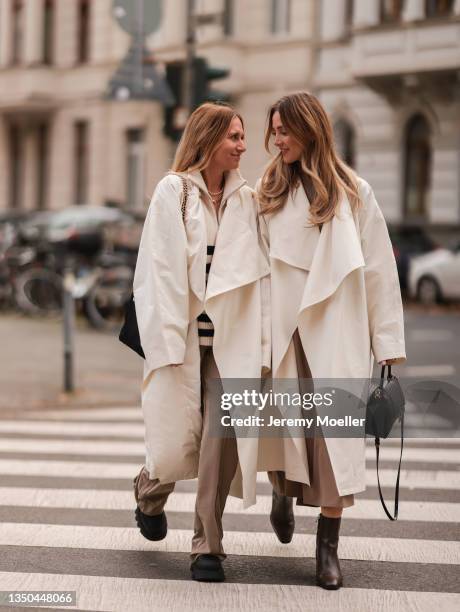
(31, 366)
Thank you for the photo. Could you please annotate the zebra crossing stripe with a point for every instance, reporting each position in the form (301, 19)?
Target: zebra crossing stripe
(134, 430)
(236, 543)
(185, 502)
(137, 448)
(119, 594)
(412, 479)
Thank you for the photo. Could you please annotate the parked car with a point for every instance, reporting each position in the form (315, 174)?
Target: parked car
(83, 229)
(436, 276)
(408, 241)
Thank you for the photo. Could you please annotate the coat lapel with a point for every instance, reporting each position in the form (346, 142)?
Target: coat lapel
(238, 259)
(292, 239)
(338, 252)
(327, 257)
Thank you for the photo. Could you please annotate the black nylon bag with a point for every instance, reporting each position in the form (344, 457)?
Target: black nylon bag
(129, 333)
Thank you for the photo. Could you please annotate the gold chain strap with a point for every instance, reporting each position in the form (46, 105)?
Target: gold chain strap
(184, 198)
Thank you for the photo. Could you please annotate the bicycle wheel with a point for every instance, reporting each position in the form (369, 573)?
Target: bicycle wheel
(38, 291)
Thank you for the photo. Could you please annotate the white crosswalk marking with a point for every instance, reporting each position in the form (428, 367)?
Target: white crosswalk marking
(185, 502)
(137, 448)
(236, 543)
(82, 540)
(412, 479)
(140, 595)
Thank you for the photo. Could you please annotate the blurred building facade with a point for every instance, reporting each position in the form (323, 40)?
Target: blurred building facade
(62, 143)
(386, 70)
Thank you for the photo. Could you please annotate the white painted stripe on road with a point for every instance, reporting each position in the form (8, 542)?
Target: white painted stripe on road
(135, 431)
(88, 414)
(429, 370)
(185, 502)
(74, 447)
(90, 447)
(410, 479)
(120, 594)
(395, 550)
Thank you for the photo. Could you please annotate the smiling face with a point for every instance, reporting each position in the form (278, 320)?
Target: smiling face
(228, 153)
(290, 148)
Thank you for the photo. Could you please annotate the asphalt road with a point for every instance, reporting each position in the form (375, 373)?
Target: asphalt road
(66, 503)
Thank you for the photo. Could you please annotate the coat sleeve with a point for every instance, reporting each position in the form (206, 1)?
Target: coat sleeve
(386, 321)
(265, 291)
(161, 292)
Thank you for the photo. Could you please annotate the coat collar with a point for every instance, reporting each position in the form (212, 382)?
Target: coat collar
(237, 260)
(233, 182)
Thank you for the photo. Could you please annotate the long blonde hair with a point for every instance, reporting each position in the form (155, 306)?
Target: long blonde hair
(319, 168)
(206, 127)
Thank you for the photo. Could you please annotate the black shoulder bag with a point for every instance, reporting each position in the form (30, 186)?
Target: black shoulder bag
(384, 407)
(129, 333)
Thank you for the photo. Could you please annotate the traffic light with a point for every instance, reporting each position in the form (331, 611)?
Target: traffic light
(203, 74)
(173, 125)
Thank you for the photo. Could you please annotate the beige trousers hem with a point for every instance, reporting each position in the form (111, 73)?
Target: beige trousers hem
(217, 466)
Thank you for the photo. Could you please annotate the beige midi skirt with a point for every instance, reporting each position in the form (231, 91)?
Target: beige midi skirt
(322, 490)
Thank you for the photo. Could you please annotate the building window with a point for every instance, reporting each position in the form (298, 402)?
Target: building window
(390, 10)
(81, 162)
(281, 16)
(438, 8)
(48, 31)
(83, 30)
(417, 168)
(42, 164)
(344, 135)
(227, 19)
(17, 31)
(135, 168)
(15, 138)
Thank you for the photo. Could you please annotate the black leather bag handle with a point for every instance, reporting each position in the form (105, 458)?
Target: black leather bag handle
(377, 451)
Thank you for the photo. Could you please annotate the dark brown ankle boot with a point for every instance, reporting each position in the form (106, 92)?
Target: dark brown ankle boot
(282, 517)
(328, 573)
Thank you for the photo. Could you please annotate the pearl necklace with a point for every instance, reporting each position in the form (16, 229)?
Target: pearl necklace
(217, 193)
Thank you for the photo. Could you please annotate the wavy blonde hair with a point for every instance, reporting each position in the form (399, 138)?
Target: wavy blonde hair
(206, 128)
(324, 175)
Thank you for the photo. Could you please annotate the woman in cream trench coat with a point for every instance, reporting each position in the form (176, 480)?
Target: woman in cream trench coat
(173, 286)
(344, 304)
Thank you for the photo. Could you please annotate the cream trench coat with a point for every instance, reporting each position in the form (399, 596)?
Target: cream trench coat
(344, 297)
(170, 292)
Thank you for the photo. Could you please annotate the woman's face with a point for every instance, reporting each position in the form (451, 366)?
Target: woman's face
(228, 153)
(290, 148)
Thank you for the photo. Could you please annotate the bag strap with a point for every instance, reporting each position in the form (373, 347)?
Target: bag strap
(184, 197)
(377, 448)
(382, 375)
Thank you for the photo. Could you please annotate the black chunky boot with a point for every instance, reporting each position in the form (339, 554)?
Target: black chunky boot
(207, 568)
(328, 573)
(153, 528)
(282, 517)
